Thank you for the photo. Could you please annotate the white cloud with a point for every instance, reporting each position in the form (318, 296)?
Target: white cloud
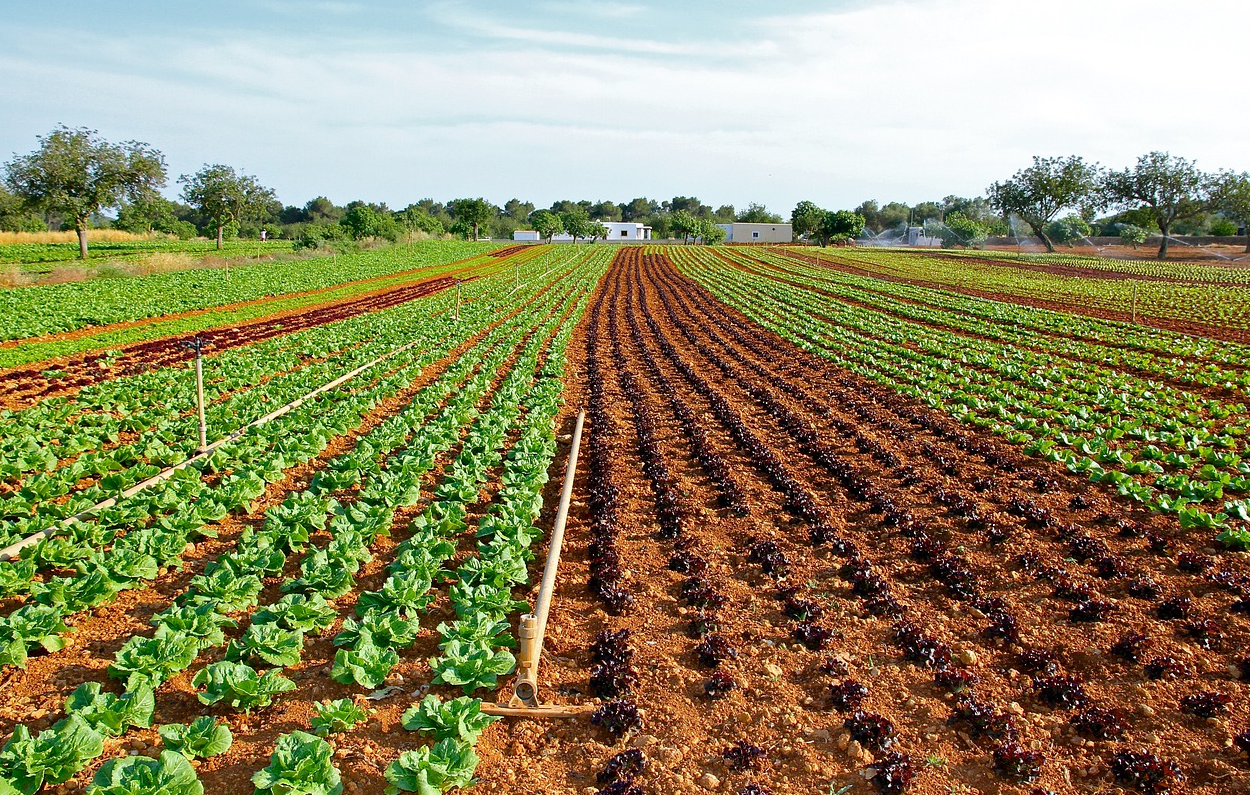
(899, 100)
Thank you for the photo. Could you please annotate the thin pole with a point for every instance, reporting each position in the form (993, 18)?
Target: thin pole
(197, 345)
(545, 591)
(457, 300)
(518, 274)
(1134, 303)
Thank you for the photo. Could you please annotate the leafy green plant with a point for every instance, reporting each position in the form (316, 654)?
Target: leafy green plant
(53, 757)
(239, 686)
(301, 765)
(110, 714)
(170, 774)
(430, 771)
(268, 643)
(29, 626)
(336, 716)
(299, 613)
(366, 665)
(202, 737)
(471, 665)
(460, 719)
(152, 660)
(201, 621)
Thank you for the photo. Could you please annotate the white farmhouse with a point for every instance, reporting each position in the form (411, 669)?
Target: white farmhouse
(617, 232)
(738, 232)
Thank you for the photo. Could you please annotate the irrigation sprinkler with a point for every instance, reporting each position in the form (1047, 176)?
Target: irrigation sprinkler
(197, 345)
(524, 700)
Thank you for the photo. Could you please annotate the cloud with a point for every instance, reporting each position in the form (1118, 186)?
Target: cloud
(905, 100)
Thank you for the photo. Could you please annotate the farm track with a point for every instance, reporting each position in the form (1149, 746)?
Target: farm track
(23, 387)
(1075, 308)
(779, 275)
(907, 455)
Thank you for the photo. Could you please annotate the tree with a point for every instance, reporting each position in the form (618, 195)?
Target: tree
(363, 220)
(546, 223)
(638, 209)
(518, 210)
(1230, 194)
(1131, 235)
(807, 219)
(684, 224)
(605, 211)
(1036, 194)
(473, 212)
(758, 214)
(578, 224)
(76, 173)
(1172, 188)
(15, 217)
(147, 214)
(225, 196)
(414, 217)
(709, 232)
(840, 226)
(1068, 229)
(960, 230)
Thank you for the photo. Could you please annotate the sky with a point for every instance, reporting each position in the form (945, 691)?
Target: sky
(733, 102)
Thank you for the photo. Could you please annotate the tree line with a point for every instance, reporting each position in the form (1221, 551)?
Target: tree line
(74, 177)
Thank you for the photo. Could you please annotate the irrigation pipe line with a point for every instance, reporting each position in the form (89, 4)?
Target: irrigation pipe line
(533, 627)
(15, 548)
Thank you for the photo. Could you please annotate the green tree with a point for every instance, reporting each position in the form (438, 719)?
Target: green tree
(605, 211)
(225, 196)
(1036, 194)
(76, 174)
(518, 210)
(577, 224)
(1230, 194)
(959, 230)
(146, 214)
(546, 223)
(684, 224)
(1132, 235)
(473, 212)
(840, 226)
(15, 216)
(1172, 188)
(709, 232)
(322, 210)
(363, 220)
(757, 214)
(807, 219)
(414, 217)
(639, 209)
(1068, 229)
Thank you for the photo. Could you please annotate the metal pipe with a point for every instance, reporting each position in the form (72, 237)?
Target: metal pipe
(199, 397)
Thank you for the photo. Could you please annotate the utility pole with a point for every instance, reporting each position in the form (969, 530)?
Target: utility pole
(197, 345)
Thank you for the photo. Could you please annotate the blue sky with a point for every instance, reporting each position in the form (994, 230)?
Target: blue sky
(730, 101)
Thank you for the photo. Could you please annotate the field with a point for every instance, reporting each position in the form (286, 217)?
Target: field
(862, 521)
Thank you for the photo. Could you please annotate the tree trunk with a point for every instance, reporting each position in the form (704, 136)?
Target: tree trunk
(1163, 243)
(80, 226)
(220, 230)
(1046, 241)
(1246, 226)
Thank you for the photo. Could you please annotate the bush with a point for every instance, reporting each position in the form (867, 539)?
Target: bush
(1132, 235)
(962, 231)
(321, 236)
(1068, 230)
(1222, 227)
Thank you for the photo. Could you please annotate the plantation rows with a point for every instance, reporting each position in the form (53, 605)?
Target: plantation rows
(1199, 299)
(1027, 675)
(1169, 448)
(831, 532)
(462, 447)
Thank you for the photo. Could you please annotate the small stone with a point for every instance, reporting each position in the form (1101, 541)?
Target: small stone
(1015, 709)
(854, 750)
(708, 781)
(773, 670)
(968, 657)
(1145, 710)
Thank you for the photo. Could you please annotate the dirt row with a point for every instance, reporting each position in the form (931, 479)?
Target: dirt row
(938, 516)
(22, 387)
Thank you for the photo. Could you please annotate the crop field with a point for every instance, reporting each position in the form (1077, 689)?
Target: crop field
(1206, 299)
(40, 257)
(871, 521)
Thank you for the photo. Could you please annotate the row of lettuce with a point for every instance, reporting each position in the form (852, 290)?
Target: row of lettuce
(1167, 448)
(382, 474)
